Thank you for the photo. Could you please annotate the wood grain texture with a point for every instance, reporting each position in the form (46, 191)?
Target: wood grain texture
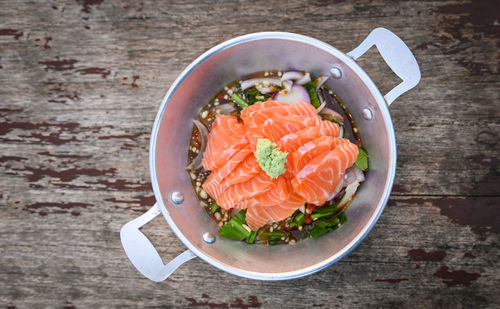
(80, 84)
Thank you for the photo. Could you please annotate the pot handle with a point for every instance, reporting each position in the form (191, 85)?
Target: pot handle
(397, 56)
(143, 254)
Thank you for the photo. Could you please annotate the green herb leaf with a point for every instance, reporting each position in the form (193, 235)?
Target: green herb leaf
(239, 100)
(317, 231)
(362, 160)
(214, 207)
(251, 238)
(311, 89)
(324, 226)
(234, 228)
(252, 94)
(299, 219)
(343, 218)
(329, 207)
(274, 235)
(321, 215)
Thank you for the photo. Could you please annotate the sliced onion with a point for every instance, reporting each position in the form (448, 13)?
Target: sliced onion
(304, 80)
(260, 81)
(264, 89)
(225, 109)
(196, 163)
(292, 75)
(337, 190)
(287, 84)
(330, 114)
(320, 81)
(322, 100)
(350, 190)
(295, 95)
(353, 174)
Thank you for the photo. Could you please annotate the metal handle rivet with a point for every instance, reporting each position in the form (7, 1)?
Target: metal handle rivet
(177, 197)
(367, 114)
(336, 72)
(209, 238)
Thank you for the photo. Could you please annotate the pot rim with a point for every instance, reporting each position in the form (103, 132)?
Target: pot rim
(391, 165)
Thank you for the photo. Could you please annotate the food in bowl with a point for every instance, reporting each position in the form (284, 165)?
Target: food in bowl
(275, 158)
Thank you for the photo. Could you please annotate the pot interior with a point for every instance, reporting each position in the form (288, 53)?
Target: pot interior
(200, 82)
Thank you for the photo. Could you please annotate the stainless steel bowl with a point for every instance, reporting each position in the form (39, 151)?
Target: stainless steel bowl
(192, 89)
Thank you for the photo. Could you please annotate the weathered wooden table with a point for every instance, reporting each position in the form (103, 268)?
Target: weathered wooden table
(80, 84)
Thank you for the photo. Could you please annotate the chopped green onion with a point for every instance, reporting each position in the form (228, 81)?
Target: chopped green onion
(329, 207)
(251, 238)
(362, 160)
(311, 89)
(299, 219)
(214, 207)
(325, 226)
(274, 235)
(321, 215)
(234, 229)
(343, 218)
(252, 95)
(239, 100)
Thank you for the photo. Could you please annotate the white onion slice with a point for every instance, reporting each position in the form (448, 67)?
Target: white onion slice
(261, 81)
(350, 190)
(330, 114)
(320, 81)
(295, 95)
(287, 84)
(337, 190)
(322, 100)
(225, 109)
(353, 174)
(304, 80)
(292, 75)
(196, 163)
(263, 89)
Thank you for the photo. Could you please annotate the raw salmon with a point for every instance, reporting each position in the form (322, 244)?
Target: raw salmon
(212, 183)
(235, 193)
(316, 160)
(259, 216)
(292, 141)
(226, 138)
(278, 193)
(316, 181)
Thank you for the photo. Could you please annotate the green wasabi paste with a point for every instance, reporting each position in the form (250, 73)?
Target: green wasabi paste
(270, 158)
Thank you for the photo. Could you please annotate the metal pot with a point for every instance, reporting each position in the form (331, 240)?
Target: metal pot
(193, 88)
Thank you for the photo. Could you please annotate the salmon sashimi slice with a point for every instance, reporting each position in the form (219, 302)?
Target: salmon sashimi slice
(291, 142)
(226, 138)
(277, 126)
(277, 194)
(249, 111)
(308, 151)
(257, 217)
(317, 180)
(312, 149)
(235, 193)
(304, 109)
(212, 183)
(247, 169)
